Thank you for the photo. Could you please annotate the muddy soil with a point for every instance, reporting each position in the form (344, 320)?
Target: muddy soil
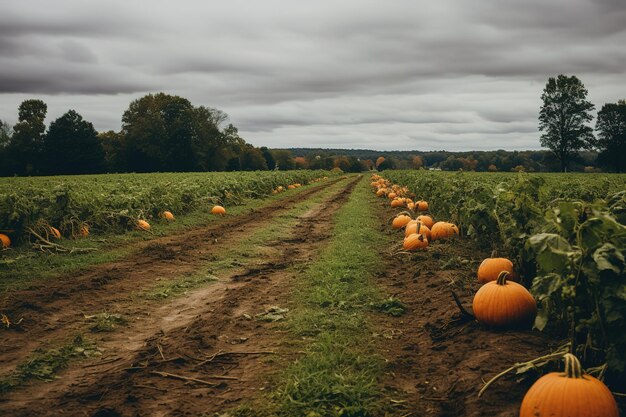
(198, 354)
(438, 359)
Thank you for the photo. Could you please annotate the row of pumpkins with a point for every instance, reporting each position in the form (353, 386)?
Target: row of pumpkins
(52, 232)
(503, 303)
(83, 229)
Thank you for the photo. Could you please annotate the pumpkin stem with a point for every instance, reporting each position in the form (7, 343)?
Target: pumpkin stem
(494, 253)
(502, 278)
(572, 366)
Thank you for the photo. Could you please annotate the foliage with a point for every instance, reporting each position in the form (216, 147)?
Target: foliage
(566, 234)
(611, 126)
(115, 202)
(562, 118)
(71, 146)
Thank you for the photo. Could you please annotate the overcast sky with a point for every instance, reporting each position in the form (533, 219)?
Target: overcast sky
(387, 74)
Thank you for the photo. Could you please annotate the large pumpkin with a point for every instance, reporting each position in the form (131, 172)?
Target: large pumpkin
(503, 303)
(427, 220)
(490, 268)
(415, 226)
(218, 210)
(400, 221)
(415, 241)
(443, 230)
(569, 393)
(5, 241)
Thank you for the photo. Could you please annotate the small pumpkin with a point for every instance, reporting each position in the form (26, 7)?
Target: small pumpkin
(381, 192)
(427, 220)
(569, 393)
(83, 230)
(490, 268)
(55, 232)
(503, 303)
(392, 195)
(400, 221)
(143, 225)
(415, 241)
(421, 205)
(5, 241)
(397, 203)
(218, 210)
(167, 215)
(291, 187)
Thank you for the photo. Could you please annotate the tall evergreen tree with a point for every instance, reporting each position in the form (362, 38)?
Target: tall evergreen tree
(72, 146)
(563, 117)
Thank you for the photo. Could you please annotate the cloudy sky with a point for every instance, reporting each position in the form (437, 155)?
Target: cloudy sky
(386, 74)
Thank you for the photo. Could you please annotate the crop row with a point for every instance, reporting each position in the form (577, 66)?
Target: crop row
(115, 202)
(566, 235)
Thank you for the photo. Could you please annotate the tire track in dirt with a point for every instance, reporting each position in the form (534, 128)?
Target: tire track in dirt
(56, 305)
(210, 332)
(439, 359)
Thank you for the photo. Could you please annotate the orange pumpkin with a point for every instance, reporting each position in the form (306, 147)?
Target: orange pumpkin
(569, 393)
(291, 187)
(503, 303)
(396, 203)
(427, 220)
(421, 205)
(381, 192)
(443, 230)
(392, 195)
(143, 225)
(400, 221)
(415, 226)
(55, 232)
(415, 241)
(218, 210)
(167, 215)
(490, 268)
(5, 241)
(84, 230)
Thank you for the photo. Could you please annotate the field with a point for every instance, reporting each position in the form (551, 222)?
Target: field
(301, 300)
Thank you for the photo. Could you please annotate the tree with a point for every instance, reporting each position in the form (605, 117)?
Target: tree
(269, 158)
(417, 162)
(562, 118)
(158, 133)
(611, 127)
(284, 159)
(114, 154)
(5, 140)
(72, 146)
(26, 146)
(252, 159)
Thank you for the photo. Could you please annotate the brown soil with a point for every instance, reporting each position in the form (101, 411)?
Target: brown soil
(209, 334)
(439, 359)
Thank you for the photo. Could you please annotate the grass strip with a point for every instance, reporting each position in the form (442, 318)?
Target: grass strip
(338, 374)
(254, 248)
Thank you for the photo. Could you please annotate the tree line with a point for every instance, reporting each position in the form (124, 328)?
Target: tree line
(160, 132)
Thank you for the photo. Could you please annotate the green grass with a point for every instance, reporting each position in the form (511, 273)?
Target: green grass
(246, 252)
(22, 266)
(339, 371)
(45, 364)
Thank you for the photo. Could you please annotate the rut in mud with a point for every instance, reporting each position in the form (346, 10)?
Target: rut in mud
(439, 359)
(211, 334)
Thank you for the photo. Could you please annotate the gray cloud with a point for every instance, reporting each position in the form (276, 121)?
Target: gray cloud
(350, 73)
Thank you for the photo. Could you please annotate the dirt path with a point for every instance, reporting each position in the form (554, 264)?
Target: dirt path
(210, 334)
(438, 359)
(57, 306)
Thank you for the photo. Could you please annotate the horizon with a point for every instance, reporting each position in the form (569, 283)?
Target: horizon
(340, 75)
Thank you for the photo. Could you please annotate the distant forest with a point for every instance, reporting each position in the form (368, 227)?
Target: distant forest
(165, 133)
